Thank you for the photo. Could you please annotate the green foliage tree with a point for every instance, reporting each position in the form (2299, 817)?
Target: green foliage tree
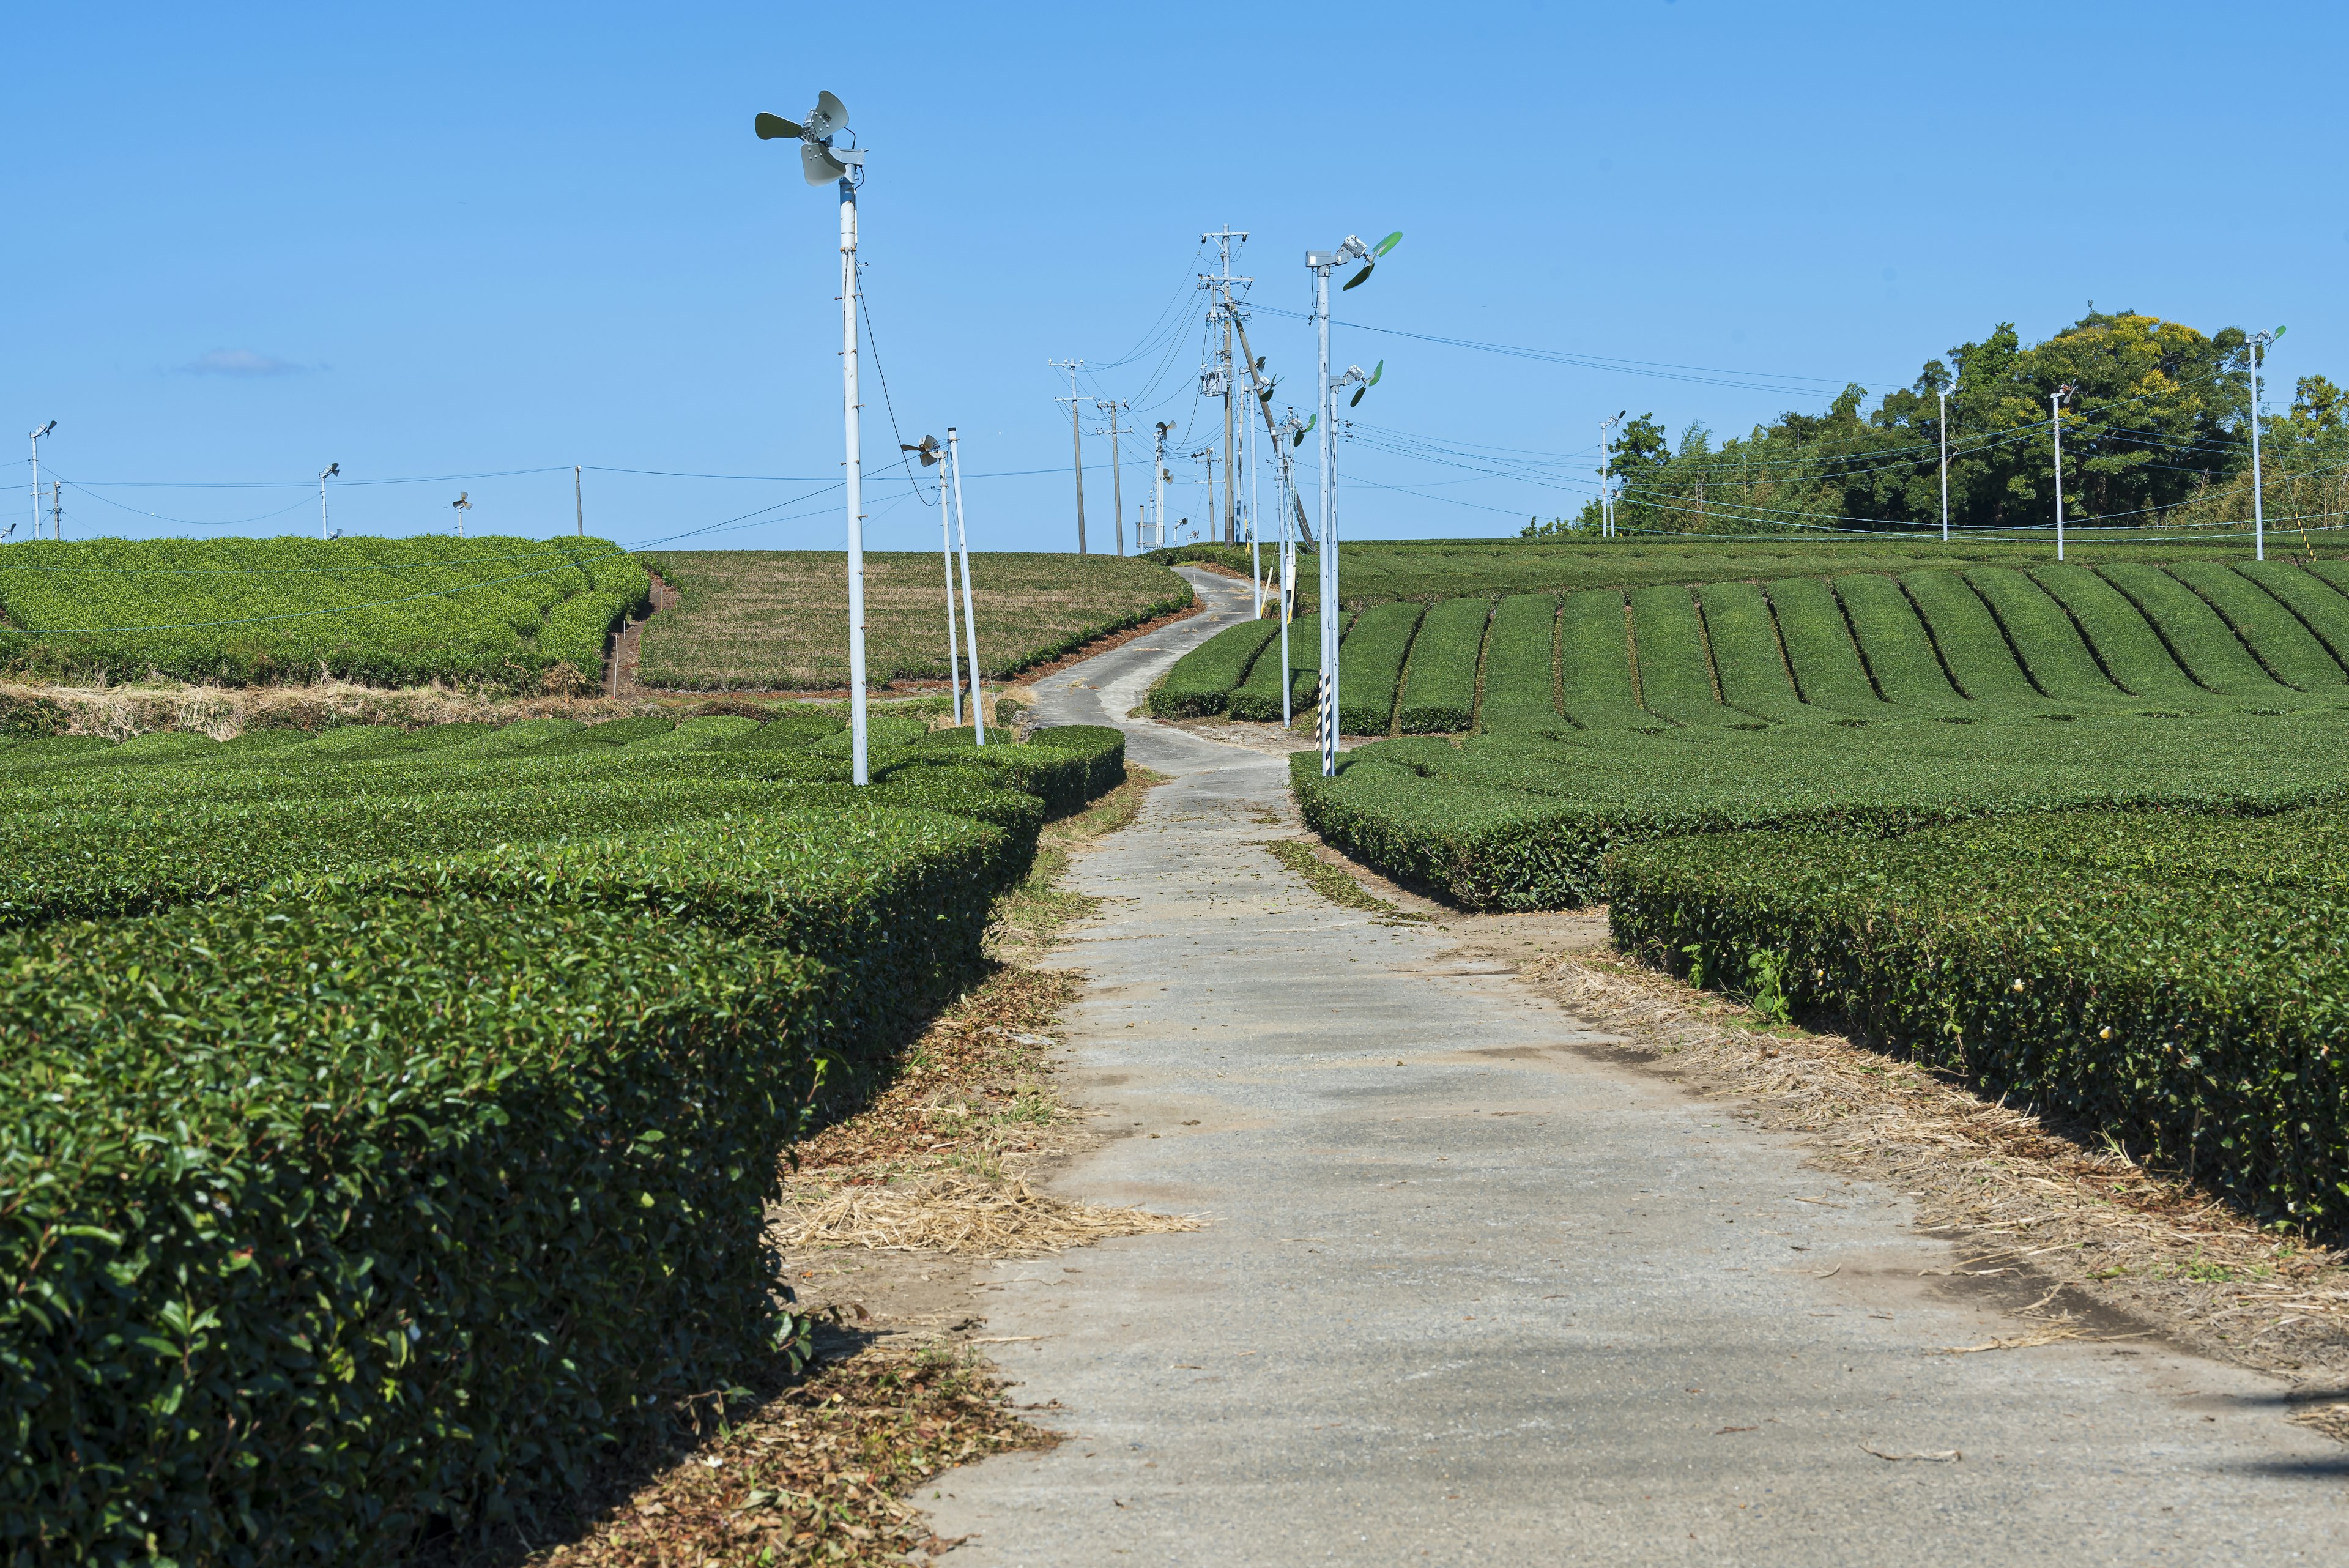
(2160, 419)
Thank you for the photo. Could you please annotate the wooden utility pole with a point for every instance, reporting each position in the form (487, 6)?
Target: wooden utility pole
(1116, 474)
(1076, 441)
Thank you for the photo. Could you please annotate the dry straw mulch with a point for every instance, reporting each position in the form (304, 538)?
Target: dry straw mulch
(2109, 1247)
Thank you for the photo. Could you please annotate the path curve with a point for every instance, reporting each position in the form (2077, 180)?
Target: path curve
(1474, 1294)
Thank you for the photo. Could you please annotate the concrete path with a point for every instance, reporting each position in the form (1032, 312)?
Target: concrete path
(1470, 1296)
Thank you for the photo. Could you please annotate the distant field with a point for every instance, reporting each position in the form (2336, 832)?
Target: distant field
(777, 619)
(1436, 569)
(507, 614)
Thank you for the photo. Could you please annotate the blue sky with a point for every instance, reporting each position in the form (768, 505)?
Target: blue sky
(436, 241)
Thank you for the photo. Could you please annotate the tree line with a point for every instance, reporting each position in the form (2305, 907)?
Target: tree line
(2157, 431)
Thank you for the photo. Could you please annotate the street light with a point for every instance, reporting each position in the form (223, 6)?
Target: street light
(35, 436)
(2258, 513)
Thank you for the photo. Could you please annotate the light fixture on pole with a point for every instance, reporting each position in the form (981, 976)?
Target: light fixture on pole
(1321, 263)
(824, 164)
(2055, 401)
(2260, 340)
(331, 471)
(461, 506)
(1607, 476)
(969, 624)
(36, 436)
(930, 452)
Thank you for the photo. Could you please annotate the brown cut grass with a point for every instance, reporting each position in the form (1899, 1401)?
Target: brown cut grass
(777, 619)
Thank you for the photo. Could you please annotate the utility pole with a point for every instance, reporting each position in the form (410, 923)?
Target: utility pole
(57, 511)
(1292, 427)
(1224, 311)
(2055, 423)
(35, 436)
(1076, 439)
(1116, 473)
(578, 504)
(2260, 340)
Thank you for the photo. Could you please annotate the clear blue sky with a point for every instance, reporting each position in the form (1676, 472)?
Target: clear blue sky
(432, 240)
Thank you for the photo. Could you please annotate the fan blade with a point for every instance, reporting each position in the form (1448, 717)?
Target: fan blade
(1360, 277)
(819, 165)
(770, 125)
(828, 115)
(1384, 245)
(1376, 371)
(1356, 399)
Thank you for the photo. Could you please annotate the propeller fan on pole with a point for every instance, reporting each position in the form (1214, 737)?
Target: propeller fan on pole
(928, 450)
(823, 161)
(1370, 259)
(820, 161)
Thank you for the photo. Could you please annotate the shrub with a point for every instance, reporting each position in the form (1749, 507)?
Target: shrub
(1520, 665)
(1370, 665)
(322, 1222)
(1201, 681)
(2193, 1018)
(1440, 682)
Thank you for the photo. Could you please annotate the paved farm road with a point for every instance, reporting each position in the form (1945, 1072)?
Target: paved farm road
(1471, 1296)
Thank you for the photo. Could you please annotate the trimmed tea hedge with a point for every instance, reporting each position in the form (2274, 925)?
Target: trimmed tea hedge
(323, 1224)
(1202, 680)
(1439, 681)
(1520, 665)
(1370, 665)
(2192, 1017)
(417, 1141)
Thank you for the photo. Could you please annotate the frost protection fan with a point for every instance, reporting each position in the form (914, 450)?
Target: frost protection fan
(1376, 371)
(928, 450)
(1372, 260)
(1303, 431)
(818, 161)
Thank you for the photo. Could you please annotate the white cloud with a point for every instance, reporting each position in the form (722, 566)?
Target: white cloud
(243, 362)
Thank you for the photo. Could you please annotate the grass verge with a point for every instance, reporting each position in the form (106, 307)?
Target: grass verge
(1333, 884)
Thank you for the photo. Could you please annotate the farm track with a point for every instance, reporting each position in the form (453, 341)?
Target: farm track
(1476, 1287)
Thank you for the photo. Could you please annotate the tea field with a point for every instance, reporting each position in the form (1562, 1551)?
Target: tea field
(2070, 832)
(500, 613)
(394, 1112)
(777, 620)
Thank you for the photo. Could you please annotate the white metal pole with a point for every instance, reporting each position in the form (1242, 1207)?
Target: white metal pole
(1287, 584)
(1329, 576)
(1256, 546)
(2055, 423)
(322, 505)
(969, 621)
(854, 465)
(578, 504)
(1606, 501)
(1158, 493)
(1943, 393)
(945, 549)
(2259, 512)
(37, 483)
